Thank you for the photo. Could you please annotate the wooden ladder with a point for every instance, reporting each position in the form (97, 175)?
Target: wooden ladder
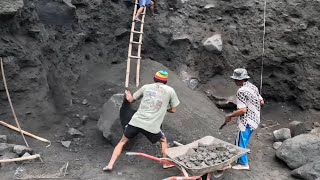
(137, 55)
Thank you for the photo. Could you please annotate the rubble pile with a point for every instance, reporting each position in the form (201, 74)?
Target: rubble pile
(207, 155)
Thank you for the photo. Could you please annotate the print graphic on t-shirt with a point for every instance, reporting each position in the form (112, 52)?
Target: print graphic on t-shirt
(153, 101)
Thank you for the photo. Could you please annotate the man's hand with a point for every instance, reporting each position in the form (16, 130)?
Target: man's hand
(172, 110)
(227, 118)
(129, 96)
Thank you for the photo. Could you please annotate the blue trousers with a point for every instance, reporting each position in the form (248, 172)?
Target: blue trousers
(242, 141)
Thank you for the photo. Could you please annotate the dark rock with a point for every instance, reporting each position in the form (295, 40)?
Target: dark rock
(183, 37)
(10, 7)
(297, 128)
(120, 32)
(20, 150)
(55, 13)
(3, 139)
(299, 150)
(110, 116)
(4, 148)
(309, 171)
(281, 134)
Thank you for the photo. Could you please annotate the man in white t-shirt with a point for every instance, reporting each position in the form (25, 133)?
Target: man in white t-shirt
(249, 102)
(157, 99)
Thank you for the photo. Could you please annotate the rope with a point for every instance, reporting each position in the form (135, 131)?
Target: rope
(263, 43)
(9, 99)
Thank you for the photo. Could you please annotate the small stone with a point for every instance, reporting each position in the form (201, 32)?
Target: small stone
(120, 32)
(26, 154)
(75, 132)
(20, 150)
(66, 143)
(120, 173)
(3, 139)
(281, 134)
(68, 3)
(77, 115)
(315, 131)
(214, 44)
(276, 145)
(263, 125)
(316, 124)
(84, 117)
(209, 6)
(85, 102)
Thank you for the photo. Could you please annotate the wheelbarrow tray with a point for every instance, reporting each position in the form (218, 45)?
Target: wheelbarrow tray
(175, 152)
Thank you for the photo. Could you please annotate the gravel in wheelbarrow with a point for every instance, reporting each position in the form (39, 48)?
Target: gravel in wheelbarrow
(205, 155)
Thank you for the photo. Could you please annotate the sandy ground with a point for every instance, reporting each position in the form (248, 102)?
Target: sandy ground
(87, 156)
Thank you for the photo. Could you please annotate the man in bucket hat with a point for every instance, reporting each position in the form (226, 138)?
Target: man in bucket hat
(157, 99)
(249, 102)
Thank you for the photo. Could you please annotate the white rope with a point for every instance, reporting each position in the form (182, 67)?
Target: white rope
(9, 99)
(263, 43)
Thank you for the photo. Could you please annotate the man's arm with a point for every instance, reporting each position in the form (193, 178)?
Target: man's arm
(174, 102)
(137, 95)
(236, 113)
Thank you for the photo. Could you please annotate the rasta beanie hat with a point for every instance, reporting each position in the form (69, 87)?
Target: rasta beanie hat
(161, 75)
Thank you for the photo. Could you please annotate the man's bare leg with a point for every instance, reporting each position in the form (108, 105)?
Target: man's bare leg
(152, 8)
(164, 147)
(116, 153)
(140, 10)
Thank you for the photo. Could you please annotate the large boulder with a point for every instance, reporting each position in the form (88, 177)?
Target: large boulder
(109, 122)
(300, 150)
(10, 7)
(214, 44)
(281, 134)
(195, 109)
(309, 171)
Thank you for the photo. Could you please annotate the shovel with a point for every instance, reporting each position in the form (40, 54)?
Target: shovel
(225, 123)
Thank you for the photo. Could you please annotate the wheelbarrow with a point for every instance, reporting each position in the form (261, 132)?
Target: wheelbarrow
(194, 173)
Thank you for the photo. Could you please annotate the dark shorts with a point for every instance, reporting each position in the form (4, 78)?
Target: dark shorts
(144, 3)
(132, 131)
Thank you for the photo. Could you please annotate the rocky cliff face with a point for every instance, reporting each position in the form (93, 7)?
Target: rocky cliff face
(54, 49)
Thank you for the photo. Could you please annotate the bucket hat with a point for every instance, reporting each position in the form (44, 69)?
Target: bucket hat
(240, 74)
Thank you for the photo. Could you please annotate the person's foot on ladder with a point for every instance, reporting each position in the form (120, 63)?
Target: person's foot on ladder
(137, 19)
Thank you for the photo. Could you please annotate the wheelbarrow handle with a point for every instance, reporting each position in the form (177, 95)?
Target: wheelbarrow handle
(166, 162)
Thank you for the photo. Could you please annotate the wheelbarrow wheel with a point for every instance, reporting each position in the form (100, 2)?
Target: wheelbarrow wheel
(204, 177)
(217, 174)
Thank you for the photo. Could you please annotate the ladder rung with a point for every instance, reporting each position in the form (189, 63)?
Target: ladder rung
(135, 42)
(138, 22)
(138, 32)
(136, 57)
